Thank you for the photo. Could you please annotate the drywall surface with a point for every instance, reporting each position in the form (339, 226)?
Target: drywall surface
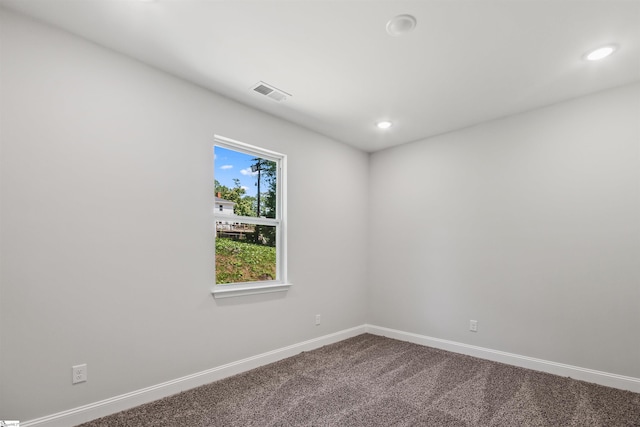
(107, 243)
(529, 225)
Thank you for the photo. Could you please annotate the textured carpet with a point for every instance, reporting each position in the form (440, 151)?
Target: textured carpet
(375, 381)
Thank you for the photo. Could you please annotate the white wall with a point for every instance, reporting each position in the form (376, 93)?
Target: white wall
(107, 235)
(529, 224)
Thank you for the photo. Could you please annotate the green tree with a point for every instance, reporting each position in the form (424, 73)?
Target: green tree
(244, 205)
(266, 181)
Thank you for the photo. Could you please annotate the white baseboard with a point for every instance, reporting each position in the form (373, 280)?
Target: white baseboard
(115, 404)
(598, 377)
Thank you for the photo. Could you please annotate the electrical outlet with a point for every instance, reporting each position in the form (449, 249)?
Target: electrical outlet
(473, 325)
(79, 374)
(317, 319)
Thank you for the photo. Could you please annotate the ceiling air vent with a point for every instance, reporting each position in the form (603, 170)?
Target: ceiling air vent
(270, 91)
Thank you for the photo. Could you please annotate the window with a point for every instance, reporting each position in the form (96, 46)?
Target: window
(249, 224)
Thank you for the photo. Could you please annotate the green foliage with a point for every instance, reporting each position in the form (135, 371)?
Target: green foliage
(268, 183)
(238, 262)
(244, 205)
(267, 201)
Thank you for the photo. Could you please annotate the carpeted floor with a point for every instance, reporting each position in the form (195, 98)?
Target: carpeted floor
(376, 381)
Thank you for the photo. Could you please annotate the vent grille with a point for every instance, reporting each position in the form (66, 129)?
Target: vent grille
(265, 90)
(270, 91)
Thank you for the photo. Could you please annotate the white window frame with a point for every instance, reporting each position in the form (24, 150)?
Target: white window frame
(280, 284)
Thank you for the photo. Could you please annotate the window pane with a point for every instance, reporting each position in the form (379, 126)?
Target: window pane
(245, 184)
(245, 252)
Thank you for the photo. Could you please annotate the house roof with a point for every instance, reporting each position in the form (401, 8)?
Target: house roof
(224, 201)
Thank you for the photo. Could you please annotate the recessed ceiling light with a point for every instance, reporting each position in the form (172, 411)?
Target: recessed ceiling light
(600, 53)
(384, 124)
(401, 25)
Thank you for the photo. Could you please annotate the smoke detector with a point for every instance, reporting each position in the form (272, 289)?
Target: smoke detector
(270, 91)
(401, 25)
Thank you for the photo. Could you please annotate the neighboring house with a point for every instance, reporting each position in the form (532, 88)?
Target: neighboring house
(223, 206)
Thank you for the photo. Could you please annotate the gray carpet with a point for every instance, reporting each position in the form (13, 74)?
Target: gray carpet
(376, 381)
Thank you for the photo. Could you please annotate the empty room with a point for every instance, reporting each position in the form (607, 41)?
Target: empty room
(319, 213)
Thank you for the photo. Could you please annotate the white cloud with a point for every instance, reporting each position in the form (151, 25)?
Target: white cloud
(244, 187)
(248, 172)
(225, 167)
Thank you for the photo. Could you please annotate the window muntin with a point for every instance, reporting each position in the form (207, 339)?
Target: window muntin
(250, 252)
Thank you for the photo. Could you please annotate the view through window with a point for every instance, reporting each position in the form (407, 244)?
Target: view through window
(248, 214)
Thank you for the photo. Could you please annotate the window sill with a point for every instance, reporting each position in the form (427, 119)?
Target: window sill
(229, 291)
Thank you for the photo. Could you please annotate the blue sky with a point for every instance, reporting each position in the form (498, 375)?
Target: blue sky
(229, 164)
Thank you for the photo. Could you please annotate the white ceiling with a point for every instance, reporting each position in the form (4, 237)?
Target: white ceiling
(467, 61)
